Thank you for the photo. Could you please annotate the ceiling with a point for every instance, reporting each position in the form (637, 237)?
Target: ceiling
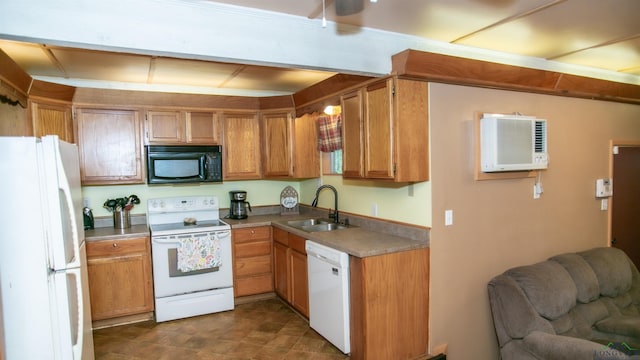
(585, 33)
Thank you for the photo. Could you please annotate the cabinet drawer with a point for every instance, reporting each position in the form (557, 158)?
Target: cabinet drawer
(297, 243)
(252, 266)
(254, 285)
(117, 247)
(251, 234)
(257, 248)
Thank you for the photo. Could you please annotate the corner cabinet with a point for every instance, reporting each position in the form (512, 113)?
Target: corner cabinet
(386, 130)
(289, 146)
(110, 148)
(241, 147)
(120, 280)
(290, 269)
(183, 127)
(252, 264)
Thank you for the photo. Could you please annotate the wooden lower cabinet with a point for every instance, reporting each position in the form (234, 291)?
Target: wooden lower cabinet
(290, 269)
(389, 305)
(252, 264)
(120, 280)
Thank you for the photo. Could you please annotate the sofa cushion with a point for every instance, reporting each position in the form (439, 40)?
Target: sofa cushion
(582, 274)
(611, 268)
(621, 325)
(548, 286)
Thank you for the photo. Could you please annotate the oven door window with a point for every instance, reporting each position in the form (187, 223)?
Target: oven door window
(173, 266)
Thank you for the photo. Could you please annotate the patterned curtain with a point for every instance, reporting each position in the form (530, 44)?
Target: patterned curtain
(329, 133)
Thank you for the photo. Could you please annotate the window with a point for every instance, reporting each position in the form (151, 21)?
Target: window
(332, 163)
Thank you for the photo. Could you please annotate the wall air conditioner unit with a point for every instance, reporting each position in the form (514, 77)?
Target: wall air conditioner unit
(512, 143)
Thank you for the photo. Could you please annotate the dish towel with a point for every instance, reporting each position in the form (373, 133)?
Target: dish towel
(329, 133)
(197, 253)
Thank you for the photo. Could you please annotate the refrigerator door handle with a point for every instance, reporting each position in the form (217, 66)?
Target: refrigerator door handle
(77, 347)
(66, 190)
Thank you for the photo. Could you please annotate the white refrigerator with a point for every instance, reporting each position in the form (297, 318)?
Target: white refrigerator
(44, 291)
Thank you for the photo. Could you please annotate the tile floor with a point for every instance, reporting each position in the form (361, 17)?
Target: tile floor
(266, 329)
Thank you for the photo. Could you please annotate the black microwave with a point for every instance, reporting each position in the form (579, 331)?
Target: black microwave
(183, 164)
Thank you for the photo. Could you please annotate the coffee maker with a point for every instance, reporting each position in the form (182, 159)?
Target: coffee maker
(239, 204)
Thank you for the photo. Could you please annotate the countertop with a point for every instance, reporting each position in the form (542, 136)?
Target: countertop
(356, 241)
(111, 233)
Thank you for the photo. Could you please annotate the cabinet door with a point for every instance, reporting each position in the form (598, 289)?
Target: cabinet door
(306, 157)
(378, 129)
(165, 127)
(109, 146)
(51, 119)
(203, 128)
(299, 282)
(281, 270)
(119, 278)
(276, 137)
(241, 151)
(352, 144)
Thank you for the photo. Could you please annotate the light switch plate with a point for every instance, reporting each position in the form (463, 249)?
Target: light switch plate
(448, 217)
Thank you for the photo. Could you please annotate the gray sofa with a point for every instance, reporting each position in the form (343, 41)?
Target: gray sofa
(572, 306)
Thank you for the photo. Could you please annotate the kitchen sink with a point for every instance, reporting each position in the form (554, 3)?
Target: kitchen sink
(314, 225)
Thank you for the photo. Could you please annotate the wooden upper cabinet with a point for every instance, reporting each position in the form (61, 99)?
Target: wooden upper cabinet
(385, 131)
(109, 145)
(52, 119)
(241, 148)
(203, 128)
(305, 154)
(165, 127)
(378, 122)
(183, 127)
(276, 140)
(352, 135)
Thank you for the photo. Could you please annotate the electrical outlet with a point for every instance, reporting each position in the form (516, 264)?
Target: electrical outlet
(374, 209)
(86, 203)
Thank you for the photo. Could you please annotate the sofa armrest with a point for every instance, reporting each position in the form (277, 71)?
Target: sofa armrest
(557, 347)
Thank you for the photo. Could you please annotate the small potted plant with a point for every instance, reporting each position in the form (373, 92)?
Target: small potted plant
(120, 208)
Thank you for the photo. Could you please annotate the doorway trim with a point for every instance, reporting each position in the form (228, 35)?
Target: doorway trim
(612, 144)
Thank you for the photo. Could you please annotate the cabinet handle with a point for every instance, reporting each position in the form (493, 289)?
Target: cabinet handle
(115, 245)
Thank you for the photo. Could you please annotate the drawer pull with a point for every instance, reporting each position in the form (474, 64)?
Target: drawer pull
(115, 245)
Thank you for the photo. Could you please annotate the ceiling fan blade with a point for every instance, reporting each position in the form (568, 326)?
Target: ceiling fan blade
(348, 7)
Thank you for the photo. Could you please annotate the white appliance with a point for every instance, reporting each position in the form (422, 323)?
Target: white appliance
(328, 270)
(513, 143)
(181, 294)
(43, 273)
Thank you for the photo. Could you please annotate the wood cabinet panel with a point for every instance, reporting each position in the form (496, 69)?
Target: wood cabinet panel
(252, 261)
(389, 318)
(281, 270)
(110, 148)
(299, 282)
(276, 140)
(203, 128)
(352, 136)
(52, 119)
(290, 269)
(305, 153)
(378, 122)
(165, 127)
(120, 280)
(241, 154)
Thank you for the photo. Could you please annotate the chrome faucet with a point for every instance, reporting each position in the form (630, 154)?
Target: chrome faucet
(335, 215)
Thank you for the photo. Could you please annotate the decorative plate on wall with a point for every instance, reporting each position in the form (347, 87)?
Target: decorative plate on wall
(289, 201)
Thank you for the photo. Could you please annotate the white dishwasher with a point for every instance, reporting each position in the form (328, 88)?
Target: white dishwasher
(329, 293)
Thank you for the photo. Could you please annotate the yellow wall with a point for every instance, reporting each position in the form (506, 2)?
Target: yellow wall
(258, 193)
(406, 203)
(497, 224)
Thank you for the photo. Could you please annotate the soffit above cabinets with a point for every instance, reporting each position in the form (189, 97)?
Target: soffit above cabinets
(590, 34)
